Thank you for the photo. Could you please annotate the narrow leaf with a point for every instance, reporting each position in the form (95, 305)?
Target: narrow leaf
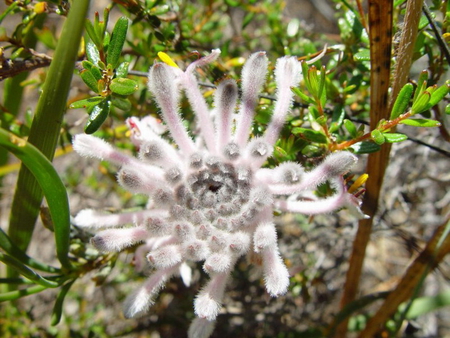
(8, 296)
(92, 53)
(9, 247)
(51, 185)
(26, 272)
(311, 135)
(438, 95)
(351, 128)
(89, 79)
(365, 147)
(57, 309)
(402, 101)
(421, 122)
(117, 41)
(394, 137)
(377, 136)
(87, 103)
(121, 103)
(97, 116)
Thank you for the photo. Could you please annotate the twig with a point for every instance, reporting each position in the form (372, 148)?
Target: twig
(437, 32)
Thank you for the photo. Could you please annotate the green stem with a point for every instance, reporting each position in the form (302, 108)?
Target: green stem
(46, 125)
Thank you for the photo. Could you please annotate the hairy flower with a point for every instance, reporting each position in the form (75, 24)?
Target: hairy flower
(210, 200)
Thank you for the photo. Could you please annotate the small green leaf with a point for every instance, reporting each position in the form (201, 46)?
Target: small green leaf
(377, 136)
(122, 69)
(121, 103)
(438, 94)
(89, 79)
(402, 101)
(92, 33)
(123, 86)
(421, 123)
(87, 103)
(394, 137)
(310, 135)
(313, 81)
(447, 109)
(337, 119)
(362, 55)
(117, 41)
(365, 147)
(92, 53)
(98, 115)
(421, 84)
(421, 103)
(351, 128)
(305, 98)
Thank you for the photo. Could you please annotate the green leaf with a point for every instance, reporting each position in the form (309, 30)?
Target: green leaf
(362, 55)
(57, 309)
(9, 247)
(351, 128)
(439, 94)
(98, 115)
(92, 53)
(447, 109)
(337, 119)
(87, 103)
(421, 123)
(394, 137)
(117, 41)
(93, 34)
(305, 98)
(402, 101)
(421, 84)
(89, 79)
(423, 305)
(377, 136)
(51, 185)
(122, 70)
(310, 135)
(7, 296)
(121, 103)
(123, 86)
(421, 103)
(26, 272)
(365, 147)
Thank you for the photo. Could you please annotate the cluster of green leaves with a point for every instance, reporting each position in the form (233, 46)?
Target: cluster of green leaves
(328, 133)
(103, 73)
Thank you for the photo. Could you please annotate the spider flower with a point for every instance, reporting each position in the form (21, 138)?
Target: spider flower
(210, 200)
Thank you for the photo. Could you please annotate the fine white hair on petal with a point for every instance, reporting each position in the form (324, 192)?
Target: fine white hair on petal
(217, 262)
(159, 152)
(225, 102)
(139, 302)
(287, 75)
(91, 146)
(98, 219)
(201, 328)
(208, 302)
(276, 275)
(138, 180)
(115, 240)
(165, 257)
(163, 85)
(253, 77)
(265, 236)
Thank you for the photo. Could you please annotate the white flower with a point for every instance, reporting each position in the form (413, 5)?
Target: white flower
(210, 200)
